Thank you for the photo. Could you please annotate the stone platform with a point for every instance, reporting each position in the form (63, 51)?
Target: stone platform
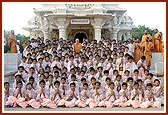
(157, 64)
(156, 57)
(11, 62)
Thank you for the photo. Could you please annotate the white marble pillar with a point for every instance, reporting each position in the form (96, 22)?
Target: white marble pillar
(119, 36)
(111, 31)
(97, 34)
(46, 35)
(32, 34)
(114, 35)
(119, 20)
(41, 34)
(62, 25)
(97, 24)
(128, 35)
(62, 32)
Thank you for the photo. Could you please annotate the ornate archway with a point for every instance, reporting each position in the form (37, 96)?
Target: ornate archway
(80, 35)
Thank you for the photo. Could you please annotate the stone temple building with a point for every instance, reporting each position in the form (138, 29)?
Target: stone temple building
(81, 20)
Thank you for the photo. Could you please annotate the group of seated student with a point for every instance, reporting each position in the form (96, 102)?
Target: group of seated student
(103, 74)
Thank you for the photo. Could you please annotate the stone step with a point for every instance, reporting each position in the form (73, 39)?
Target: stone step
(10, 67)
(156, 57)
(12, 58)
(10, 79)
(152, 71)
(9, 73)
(11, 62)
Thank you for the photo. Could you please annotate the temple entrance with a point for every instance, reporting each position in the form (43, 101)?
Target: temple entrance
(80, 36)
(80, 31)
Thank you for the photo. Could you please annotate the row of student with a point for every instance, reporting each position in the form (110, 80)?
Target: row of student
(121, 64)
(76, 74)
(106, 46)
(50, 81)
(104, 50)
(92, 95)
(108, 61)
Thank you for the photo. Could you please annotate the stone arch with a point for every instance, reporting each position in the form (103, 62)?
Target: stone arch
(83, 33)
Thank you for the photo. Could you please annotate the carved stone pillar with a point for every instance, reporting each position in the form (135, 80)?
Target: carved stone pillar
(128, 35)
(119, 36)
(97, 24)
(62, 32)
(111, 32)
(97, 33)
(41, 34)
(46, 34)
(32, 34)
(114, 33)
(62, 25)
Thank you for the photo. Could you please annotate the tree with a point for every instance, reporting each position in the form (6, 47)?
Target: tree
(140, 31)
(6, 48)
(21, 38)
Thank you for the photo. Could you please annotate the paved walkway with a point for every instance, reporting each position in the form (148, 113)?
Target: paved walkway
(87, 109)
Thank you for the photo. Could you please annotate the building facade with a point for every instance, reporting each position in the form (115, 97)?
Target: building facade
(90, 21)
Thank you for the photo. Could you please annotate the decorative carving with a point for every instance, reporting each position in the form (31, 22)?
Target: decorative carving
(129, 20)
(45, 22)
(61, 22)
(119, 20)
(79, 6)
(115, 21)
(123, 20)
(98, 22)
(34, 22)
(108, 22)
